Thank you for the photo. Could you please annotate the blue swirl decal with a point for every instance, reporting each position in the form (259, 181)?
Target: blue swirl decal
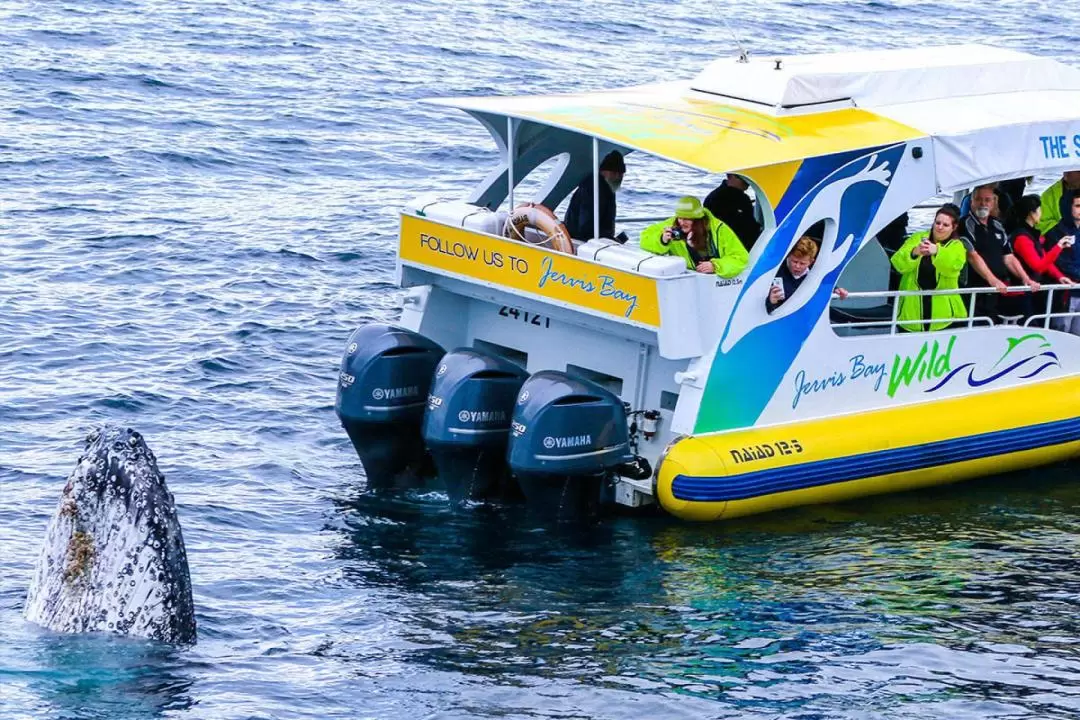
(753, 355)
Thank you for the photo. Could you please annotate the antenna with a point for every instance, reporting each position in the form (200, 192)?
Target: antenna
(744, 54)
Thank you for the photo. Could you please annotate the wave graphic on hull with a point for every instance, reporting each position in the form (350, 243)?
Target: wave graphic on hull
(1051, 360)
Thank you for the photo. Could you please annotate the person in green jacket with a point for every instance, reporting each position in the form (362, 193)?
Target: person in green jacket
(932, 260)
(1057, 198)
(698, 237)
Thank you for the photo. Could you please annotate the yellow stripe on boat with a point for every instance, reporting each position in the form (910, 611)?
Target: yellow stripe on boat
(727, 475)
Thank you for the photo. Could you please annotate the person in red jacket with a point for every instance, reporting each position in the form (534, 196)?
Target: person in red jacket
(1029, 247)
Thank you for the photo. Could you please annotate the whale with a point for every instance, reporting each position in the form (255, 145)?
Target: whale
(113, 559)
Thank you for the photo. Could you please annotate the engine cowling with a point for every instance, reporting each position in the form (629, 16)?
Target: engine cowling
(382, 390)
(467, 423)
(567, 437)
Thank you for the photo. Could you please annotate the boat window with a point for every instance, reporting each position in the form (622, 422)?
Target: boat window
(538, 183)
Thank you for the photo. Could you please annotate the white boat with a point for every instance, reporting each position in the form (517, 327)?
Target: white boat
(609, 374)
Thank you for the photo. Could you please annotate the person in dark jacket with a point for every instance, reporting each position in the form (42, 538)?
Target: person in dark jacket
(1068, 228)
(792, 273)
(579, 213)
(1057, 198)
(1038, 258)
(990, 255)
(730, 203)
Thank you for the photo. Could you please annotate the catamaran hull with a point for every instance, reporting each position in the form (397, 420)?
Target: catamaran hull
(729, 475)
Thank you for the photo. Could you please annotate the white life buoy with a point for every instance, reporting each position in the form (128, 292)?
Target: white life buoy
(534, 215)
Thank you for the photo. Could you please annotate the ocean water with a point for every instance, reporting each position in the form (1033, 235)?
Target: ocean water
(198, 205)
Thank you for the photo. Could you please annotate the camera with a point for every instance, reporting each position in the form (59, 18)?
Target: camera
(677, 233)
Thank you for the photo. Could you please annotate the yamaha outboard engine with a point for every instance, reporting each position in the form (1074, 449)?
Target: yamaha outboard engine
(382, 388)
(567, 437)
(467, 424)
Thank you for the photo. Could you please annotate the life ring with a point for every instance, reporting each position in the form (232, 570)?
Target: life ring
(540, 217)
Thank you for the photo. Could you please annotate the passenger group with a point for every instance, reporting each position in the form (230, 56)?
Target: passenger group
(1005, 238)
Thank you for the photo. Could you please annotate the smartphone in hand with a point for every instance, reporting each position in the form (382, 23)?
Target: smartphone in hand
(778, 283)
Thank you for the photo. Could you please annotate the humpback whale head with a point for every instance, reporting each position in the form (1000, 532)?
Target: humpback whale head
(114, 558)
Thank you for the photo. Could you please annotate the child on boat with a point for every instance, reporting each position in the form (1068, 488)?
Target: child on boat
(793, 271)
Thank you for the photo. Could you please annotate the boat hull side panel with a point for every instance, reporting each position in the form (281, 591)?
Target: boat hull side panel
(728, 475)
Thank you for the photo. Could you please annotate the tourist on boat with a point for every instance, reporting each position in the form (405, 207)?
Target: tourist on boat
(1057, 198)
(1038, 259)
(793, 271)
(579, 213)
(932, 260)
(698, 237)
(1067, 230)
(989, 254)
(730, 203)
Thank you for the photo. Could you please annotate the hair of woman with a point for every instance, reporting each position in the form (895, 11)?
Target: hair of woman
(952, 211)
(1020, 211)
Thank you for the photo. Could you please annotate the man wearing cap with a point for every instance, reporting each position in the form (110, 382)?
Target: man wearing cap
(579, 214)
(698, 237)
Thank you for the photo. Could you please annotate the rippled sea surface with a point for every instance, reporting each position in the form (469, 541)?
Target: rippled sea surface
(197, 206)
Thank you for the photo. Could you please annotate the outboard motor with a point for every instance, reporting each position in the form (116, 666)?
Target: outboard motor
(382, 388)
(467, 424)
(567, 437)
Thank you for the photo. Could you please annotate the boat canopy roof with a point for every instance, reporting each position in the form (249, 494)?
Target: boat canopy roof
(990, 113)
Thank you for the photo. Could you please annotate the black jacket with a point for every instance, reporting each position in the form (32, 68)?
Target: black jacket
(579, 217)
(791, 284)
(734, 208)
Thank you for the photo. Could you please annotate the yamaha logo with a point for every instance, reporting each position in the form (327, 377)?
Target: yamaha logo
(395, 393)
(352, 348)
(482, 416)
(442, 370)
(568, 441)
(523, 397)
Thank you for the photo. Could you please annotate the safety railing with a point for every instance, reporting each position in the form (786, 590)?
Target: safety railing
(892, 325)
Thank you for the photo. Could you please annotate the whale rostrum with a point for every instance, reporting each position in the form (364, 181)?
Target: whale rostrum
(114, 558)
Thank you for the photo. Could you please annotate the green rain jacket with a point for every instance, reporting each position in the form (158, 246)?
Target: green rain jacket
(1051, 207)
(948, 263)
(730, 255)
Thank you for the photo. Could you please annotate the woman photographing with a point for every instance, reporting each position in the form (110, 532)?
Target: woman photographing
(932, 260)
(694, 234)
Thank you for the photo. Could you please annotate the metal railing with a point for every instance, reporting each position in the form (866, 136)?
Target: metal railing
(893, 323)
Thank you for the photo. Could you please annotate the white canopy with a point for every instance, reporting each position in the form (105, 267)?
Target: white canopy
(991, 113)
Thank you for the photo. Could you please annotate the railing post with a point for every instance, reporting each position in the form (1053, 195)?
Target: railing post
(595, 188)
(895, 312)
(1049, 304)
(971, 308)
(510, 162)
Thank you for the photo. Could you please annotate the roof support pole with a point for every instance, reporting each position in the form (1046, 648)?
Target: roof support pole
(595, 188)
(510, 161)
